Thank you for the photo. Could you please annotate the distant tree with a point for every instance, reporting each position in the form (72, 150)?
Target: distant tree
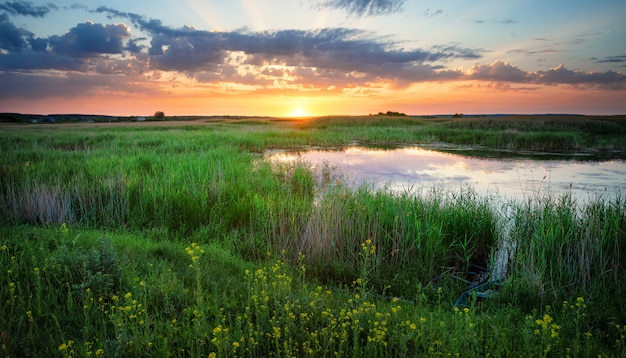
(458, 115)
(159, 115)
(391, 113)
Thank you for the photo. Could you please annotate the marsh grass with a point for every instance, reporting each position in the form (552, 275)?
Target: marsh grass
(287, 260)
(200, 300)
(418, 235)
(565, 248)
(539, 133)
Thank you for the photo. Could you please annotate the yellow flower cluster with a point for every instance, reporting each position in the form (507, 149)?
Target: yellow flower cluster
(90, 352)
(195, 251)
(273, 315)
(67, 349)
(64, 230)
(368, 247)
(546, 323)
(128, 312)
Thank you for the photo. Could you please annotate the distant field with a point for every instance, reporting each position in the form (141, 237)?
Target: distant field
(558, 133)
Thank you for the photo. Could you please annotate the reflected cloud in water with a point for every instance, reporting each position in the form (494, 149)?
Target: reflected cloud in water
(414, 167)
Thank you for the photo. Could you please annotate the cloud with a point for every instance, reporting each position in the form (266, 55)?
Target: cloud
(69, 85)
(77, 50)
(497, 71)
(500, 71)
(333, 52)
(611, 59)
(133, 47)
(364, 7)
(33, 61)
(431, 13)
(561, 75)
(26, 8)
(298, 60)
(333, 49)
(12, 38)
(90, 38)
(339, 56)
(501, 22)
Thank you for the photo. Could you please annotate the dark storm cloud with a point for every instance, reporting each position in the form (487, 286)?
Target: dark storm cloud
(17, 40)
(329, 50)
(364, 7)
(88, 38)
(76, 50)
(26, 8)
(12, 38)
(133, 47)
(187, 49)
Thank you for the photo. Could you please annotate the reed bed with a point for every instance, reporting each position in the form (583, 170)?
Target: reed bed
(182, 241)
(70, 292)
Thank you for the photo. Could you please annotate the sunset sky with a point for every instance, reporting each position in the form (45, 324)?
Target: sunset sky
(312, 57)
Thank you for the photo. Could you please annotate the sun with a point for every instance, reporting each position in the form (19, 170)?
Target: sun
(299, 112)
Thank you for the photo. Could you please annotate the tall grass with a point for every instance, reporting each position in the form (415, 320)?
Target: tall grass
(157, 190)
(565, 248)
(70, 292)
(418, 236)
(545, 133)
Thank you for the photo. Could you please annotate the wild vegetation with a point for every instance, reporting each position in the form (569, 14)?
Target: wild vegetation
(183, 241)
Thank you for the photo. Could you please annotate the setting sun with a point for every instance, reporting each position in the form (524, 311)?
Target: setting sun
(299, 112)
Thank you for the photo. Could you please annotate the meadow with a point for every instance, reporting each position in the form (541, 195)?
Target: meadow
(181, 240)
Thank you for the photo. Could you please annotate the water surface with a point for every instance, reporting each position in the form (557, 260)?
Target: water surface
(412, 168)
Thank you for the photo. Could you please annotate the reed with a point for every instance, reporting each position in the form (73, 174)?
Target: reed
(98, 226)
(565, 248)
(544, 133)
(73, 292)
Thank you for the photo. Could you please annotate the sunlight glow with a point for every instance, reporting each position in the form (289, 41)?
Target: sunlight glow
(253, 10)
(207, 12)
(299, 112)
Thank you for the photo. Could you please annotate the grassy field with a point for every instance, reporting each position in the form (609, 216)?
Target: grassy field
(179, 239)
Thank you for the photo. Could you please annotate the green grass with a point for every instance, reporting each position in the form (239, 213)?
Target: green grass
(69, 292)
(544, 133)
(183, 241)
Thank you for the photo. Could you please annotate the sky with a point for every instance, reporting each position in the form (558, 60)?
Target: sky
(312, 57)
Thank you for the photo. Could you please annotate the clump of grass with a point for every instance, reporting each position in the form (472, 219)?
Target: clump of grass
(418, 237)
(565, 249)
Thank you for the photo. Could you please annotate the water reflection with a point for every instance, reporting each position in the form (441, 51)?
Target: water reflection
(414, 167)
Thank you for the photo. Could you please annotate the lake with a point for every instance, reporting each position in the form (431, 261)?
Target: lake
(411, 168)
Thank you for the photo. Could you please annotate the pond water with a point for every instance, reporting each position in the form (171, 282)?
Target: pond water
(413, 168)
